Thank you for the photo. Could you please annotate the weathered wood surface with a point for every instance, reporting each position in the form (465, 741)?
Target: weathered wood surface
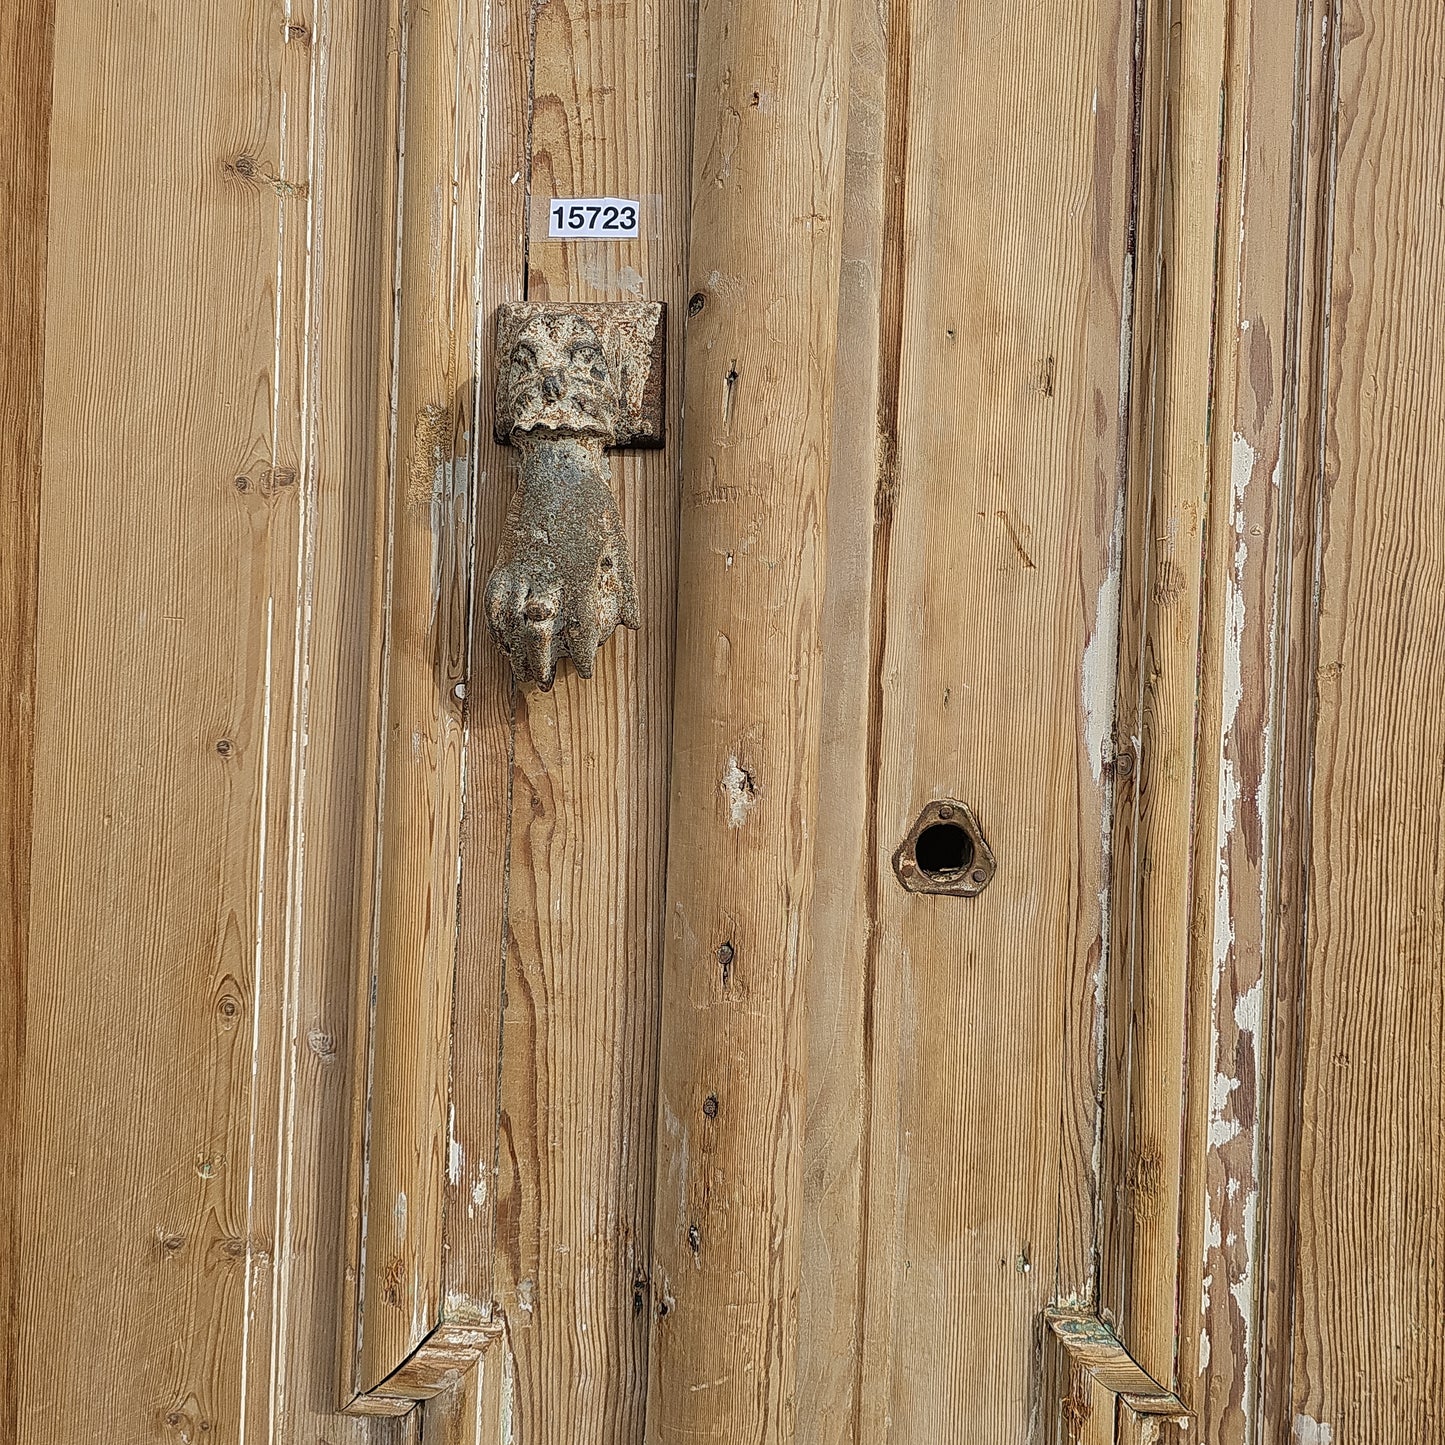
(1177, 165)
(201, 647)
(761, 338)
(421, 603)
(605, 114)
(830, 1300)
(1368, 1338)
(26, 41)
(1001, 427)
(1235, 958)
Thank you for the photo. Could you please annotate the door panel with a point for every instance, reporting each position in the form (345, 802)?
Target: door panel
(1050, 437)
(998, 509)
(1368, 1315)
(184, 1004)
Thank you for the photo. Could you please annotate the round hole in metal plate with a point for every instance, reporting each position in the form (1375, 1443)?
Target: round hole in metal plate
(944, 849)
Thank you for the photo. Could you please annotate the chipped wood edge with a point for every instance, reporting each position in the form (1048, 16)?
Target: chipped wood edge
(438, 1365)
(1089, 1343)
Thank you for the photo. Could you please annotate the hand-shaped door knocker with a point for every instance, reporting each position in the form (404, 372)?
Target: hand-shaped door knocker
(572, 380)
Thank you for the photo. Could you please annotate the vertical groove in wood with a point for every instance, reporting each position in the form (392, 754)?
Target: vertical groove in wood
(1302, 494)
(606, 114)
(346, 366)
(26, 54)
(764, 268)
(1368, 1328)
(499, 51)
(831, 1299)
(1235, 963)
(424, 541)
(1155, 760)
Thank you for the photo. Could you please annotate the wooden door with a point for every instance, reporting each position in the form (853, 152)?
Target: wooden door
(966, 969)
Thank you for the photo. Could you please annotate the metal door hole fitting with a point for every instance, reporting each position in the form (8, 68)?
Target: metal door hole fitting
(945, 852)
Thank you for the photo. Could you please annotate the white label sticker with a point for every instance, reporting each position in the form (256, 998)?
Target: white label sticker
(592, 218)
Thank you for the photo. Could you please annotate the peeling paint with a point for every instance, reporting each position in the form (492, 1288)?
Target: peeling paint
(1101, 660)
(455, 1161)
(1309, 1431)
(740, 790)
(507, 1411)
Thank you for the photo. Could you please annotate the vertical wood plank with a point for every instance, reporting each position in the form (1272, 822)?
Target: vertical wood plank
(169, 530)
(609, 106)
(996, 674)
(342, 371)
(764, 263)
(1179, 82)
(1234, 958)
(26, 53)
(831, 1300)
(499, 41)
(422, 618)
(1369, 1300)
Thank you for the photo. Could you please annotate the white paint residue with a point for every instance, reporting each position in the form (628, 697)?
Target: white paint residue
(479, 1191)
(1242, 1290)
(400, 1214)
(1101, 660)
(1309, 1431)
(506, 1409)
(1249, 1008)
(602, 275)
(677, 1132)
(1126, 335)
(739, 790)
(1221, 1130)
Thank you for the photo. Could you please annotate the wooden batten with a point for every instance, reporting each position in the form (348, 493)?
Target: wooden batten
(420, 592)
(1177, 160)
(759, 374)
(26, 45)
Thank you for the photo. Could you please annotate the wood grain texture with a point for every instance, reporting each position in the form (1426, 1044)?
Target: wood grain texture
(499, 50)
(1177, 83)
(605, 114)
(165, 691)
(1002, 441)
(26, 51)
(342, 371)
(830, 1301)
(764, 262)
(201, 644)
(1234, 958)
(1369, 1325)
(171, 535)
(421, 611)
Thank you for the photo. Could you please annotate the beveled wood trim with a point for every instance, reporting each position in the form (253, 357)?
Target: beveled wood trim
(420, 605)
(26, 57)
(439, 1364)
